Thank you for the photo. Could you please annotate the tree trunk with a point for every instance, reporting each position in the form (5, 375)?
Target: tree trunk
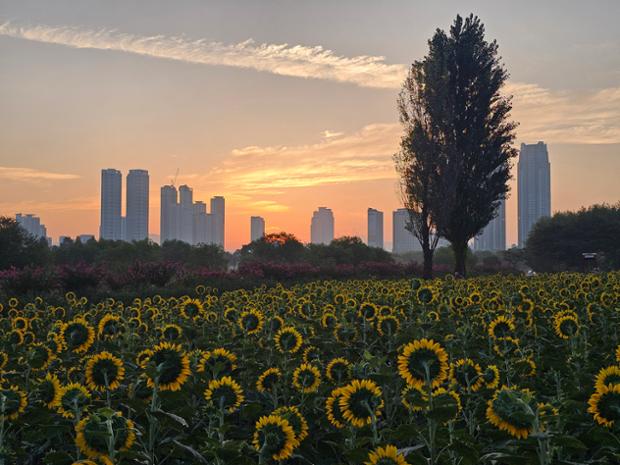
(427, 273)
(460, 256)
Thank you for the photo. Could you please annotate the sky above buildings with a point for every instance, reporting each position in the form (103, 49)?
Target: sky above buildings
(280, 106)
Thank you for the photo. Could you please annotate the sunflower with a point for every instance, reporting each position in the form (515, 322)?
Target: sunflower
(491, 377)
(332, 408)
(109, 326)
(224, 393)
(295, 419)
(274, 437)
(421, 359)
(387, 325)
(171, 365)
(618, 354)
(74, 397)
(4, 359)
(49, 391)
(311, 354)
(288, 340)
(446, 404)
(467, 374)
(525, 366)
(566, 324)
(143, 357)
(97, 433)
(425, 295)
(306, 378)
(77, 335)
(191, 309)
(361, 401)
(171, 332)
(506, 345)
(604, 405)
(512, 410)
(367, 311)
(414, 398)
(338, 370)
(546, 412)
(219, 362)
(328, 320)
(268, 379)
(251, 321)
(39, 356)
(501, 327)
(345, 333)
(387, 455)
(104, 371)
(13, 402)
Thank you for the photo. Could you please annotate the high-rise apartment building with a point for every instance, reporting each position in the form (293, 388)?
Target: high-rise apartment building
(137, 207)
(186, 214)
(111, 193)
(322, 226)
(188, 221)
(403, 240)
(534, 181)
(375, 228)
(32, 225)
(218, 210)
(493, 236)
(257, 228)
(169, 215)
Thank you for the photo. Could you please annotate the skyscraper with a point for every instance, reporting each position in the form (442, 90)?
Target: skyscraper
(137, 211)
(534, 179)
(111, 192)
(186, 214)
(201, 233)
(32, 225)
(403, 240)
(169, 214)
(322, 226)
(219, 219)
(493, 236)
(257, 228)
(375, 228)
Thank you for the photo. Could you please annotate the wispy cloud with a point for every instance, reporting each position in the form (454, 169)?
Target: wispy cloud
(283, 59)
(29, 174)
(552, 115)
(566, 117)
(361, 156)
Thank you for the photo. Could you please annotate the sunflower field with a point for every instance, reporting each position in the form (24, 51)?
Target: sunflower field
(489, 370)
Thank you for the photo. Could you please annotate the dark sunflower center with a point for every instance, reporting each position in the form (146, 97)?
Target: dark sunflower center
(514, 408)
(306, 378)
(421, 360)
(102, 369)
(288, 340)
(170, 365)
(363, 402)
(76, 334)
(609, 406)
(11, 401)
(97, 435)
(272, 438)
(250, 322)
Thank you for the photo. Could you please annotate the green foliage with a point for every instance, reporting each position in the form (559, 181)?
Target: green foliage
(556, 243)
(18, 248)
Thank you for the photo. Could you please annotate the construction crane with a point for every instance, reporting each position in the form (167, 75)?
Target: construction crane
(173, 182)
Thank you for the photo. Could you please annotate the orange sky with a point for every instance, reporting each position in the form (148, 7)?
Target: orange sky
(278, 115)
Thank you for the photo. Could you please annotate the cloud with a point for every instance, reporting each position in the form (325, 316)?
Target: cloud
(566, 117)
(545, 114)
(361, 156)
(32, 175)
(282, 59)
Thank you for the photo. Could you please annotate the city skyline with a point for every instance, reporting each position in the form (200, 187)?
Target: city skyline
(80, 95)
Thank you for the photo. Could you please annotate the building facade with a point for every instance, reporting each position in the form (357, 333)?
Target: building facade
(534, 187)
(403, 240)
(218, 210)
(375, 228)
(32, 225)
(257, 228)
(111, 194)
(322, 226)
(168, 214)
(493, 236)
(137, 206)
